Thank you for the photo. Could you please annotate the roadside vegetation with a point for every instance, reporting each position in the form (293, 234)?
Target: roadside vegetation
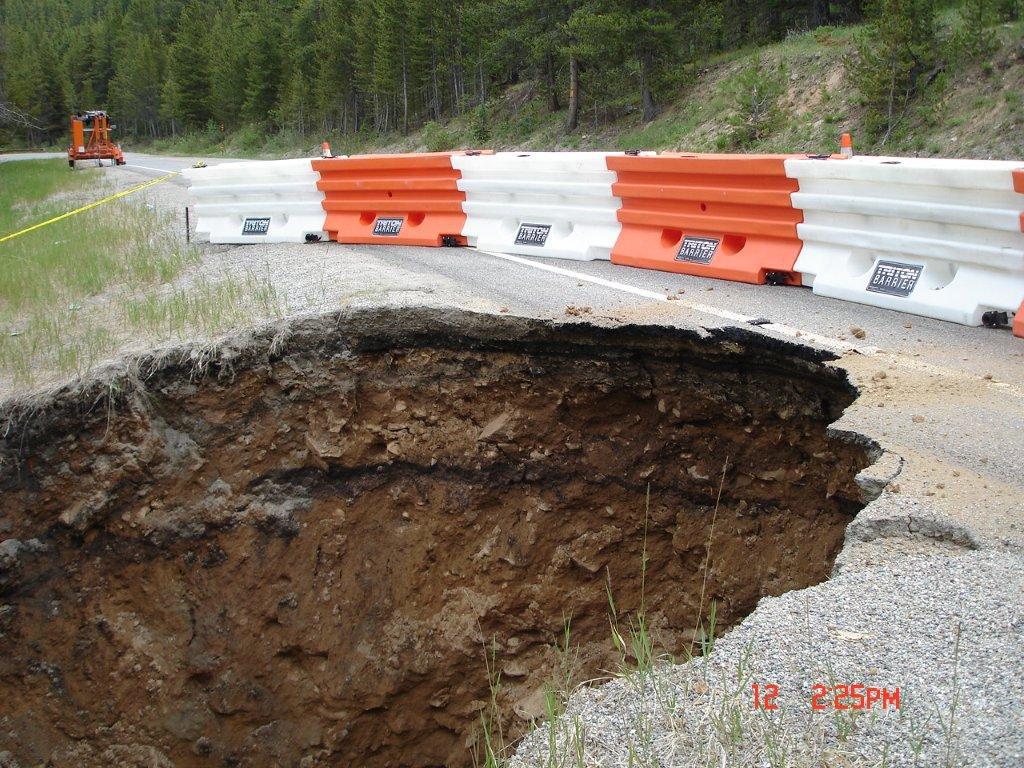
(75, 292)
(796, 95)
(210, 77)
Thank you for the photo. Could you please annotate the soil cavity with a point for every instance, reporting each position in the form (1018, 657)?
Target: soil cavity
(299, 557)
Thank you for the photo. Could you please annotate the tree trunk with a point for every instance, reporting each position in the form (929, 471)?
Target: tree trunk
(549, 76)
(572, 119)
(819, 13)
(436, 106)
(480, 71)
(405, 96)
(646, 97)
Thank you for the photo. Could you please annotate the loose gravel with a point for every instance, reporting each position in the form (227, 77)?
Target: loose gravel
(944, 629)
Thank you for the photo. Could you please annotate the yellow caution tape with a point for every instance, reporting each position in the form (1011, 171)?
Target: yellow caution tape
(90, 206)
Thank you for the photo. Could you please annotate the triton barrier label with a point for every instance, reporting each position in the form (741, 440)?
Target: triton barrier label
(388, 226)
(698, 250)
(533, 234)
(894, 278)
(256, 226)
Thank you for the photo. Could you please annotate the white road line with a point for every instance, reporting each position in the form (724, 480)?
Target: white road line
(576, 275)
(834, 345)
(149, 168)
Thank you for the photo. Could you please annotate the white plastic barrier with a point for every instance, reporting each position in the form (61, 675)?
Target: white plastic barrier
(274, 201)
(556, 204)
(938, 238)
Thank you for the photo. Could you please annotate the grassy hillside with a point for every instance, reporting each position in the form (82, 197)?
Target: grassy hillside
(975, 109)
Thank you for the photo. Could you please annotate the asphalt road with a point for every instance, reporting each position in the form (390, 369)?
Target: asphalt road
(148, 165)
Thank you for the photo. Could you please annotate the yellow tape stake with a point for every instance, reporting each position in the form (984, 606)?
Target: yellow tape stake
(88, 207)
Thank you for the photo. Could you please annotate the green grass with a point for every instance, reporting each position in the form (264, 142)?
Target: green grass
(205, 307)
(26, 186)
(121, 243)
(256, 142)
(75, 292)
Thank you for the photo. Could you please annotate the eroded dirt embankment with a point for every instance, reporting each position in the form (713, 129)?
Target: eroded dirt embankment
(297, 554)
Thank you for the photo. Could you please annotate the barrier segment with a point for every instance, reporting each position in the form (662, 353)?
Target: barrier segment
(267, 201)
(1018, 186)
(404, 199)
(556, 204)
(938, 238)
(1018, 319)
(724, 216)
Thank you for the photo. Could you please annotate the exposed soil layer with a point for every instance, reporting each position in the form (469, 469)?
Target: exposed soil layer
(293, 551)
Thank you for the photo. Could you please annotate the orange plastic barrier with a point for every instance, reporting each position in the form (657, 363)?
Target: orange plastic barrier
(407, 199)
(725, 216)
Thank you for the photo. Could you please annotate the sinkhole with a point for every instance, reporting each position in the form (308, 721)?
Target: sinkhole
(319, 544)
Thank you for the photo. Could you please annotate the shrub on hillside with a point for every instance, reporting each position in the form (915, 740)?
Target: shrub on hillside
(479, 127)
(896, 58)
(756, 91)
(436, 138)
(974, 37)
(1009, 10)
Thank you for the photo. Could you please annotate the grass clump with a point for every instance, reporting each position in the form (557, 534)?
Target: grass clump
(436, 138)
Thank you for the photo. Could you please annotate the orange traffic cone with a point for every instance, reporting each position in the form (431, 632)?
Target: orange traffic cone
(846, 145)
(325, 150)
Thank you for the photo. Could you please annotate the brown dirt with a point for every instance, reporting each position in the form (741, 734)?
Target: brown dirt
(297, 554)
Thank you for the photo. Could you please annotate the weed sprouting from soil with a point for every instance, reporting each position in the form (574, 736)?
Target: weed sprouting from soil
(492, 736)
(634, 641)
(638, 665)
(707, 633)
(951, 753)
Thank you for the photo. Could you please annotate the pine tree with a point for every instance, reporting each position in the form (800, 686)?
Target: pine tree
(263, 60)
(895, 57)
(297, 99)
(227, 67)
(52, 96)
(188, 67)
(137, 85)
(334, 80)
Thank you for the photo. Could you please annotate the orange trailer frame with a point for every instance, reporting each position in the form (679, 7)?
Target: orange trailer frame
(98, 145)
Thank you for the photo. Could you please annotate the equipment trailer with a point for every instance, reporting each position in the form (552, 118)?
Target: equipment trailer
(99, 147)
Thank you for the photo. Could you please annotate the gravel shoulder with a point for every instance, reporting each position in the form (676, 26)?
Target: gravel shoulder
(946, 629)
